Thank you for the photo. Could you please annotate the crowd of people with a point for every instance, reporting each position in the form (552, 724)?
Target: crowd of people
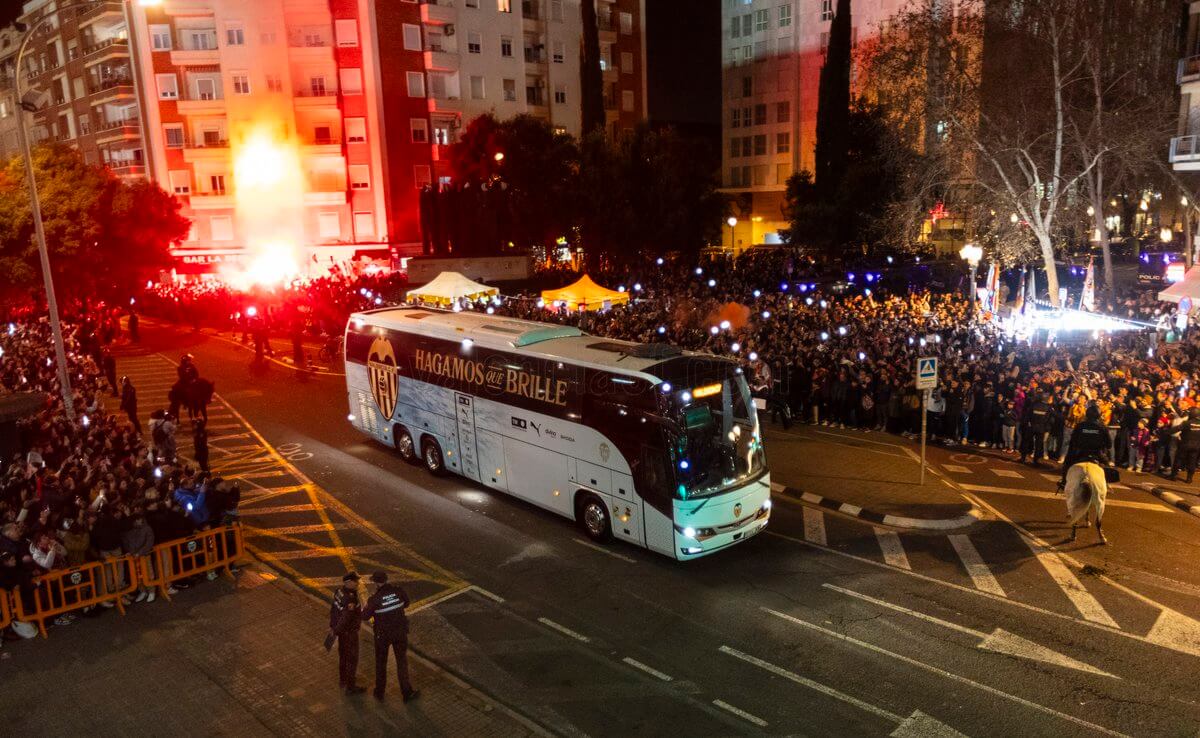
(92, 488)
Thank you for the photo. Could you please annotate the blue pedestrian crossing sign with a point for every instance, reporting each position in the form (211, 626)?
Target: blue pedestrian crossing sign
(927, 372)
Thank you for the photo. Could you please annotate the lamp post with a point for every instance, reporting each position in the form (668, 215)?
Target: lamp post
(732, 221)
(971, 253)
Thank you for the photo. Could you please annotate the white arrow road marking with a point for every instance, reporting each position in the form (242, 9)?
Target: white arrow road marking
(999, 640)
(943, 673)
(920, 725)
(1175, 631)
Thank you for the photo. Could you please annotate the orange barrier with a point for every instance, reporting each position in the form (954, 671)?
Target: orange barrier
(6, 598)
(203, 552)
(65, 590)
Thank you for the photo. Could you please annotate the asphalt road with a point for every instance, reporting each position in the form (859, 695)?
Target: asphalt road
(821, 626)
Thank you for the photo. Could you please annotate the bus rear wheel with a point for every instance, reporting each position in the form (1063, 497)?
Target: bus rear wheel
(431, 454)
(405, 446)
(593, 519)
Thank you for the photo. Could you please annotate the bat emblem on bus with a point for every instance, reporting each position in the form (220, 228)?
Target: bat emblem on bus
(384, 376)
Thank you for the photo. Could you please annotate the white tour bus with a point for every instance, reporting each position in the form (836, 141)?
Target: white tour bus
(644, 442)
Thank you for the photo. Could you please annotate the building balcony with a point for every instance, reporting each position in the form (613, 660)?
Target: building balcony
(1189, 69)
(438, 12)
(441, 60)
(211, 201)
(195, 57)
(97, 11)
(107, 90)
(325, 197)
(206, 150)
(211, 106)
(308, 99)
(128, 169)
(323, 147)
(1185, 152)
(117, 130)
(106, 49)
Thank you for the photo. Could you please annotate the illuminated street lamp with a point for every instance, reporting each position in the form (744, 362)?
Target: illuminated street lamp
(732, 221)
(972, 253)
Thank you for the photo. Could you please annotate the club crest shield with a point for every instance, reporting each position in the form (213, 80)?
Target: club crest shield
(384, 376)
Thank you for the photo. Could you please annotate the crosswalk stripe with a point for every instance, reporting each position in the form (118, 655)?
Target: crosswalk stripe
(956, 468)
(978, 571)
(814, 526)
(1151, 506)
(893, 549)
(1007, 473)
(1051, 477)
(1087, 605)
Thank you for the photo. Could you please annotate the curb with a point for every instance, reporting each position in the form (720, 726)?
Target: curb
(1172, 499)
(971, 517)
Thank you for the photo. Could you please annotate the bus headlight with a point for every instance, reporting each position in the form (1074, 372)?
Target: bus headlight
(767, 504)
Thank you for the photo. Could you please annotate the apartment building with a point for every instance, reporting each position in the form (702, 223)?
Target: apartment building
(1185, 146)
(10, 40)
(81, 59)
(772, 52)
(261, 120)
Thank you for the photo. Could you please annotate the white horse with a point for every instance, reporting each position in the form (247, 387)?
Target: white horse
(1086, 490)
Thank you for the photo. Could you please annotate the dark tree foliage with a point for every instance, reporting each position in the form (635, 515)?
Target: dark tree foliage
(833, 101)
(592, 79)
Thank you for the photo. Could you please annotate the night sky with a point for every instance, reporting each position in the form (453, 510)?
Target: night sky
(9, 10)
(684, 67)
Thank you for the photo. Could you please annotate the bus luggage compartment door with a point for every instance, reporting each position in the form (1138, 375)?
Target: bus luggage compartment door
(467, 452)
(627, 509)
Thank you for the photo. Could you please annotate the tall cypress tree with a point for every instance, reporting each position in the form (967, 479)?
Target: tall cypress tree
(833, 103)
(592, 80)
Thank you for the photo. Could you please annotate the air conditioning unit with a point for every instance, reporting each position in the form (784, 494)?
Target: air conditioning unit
(449, 29)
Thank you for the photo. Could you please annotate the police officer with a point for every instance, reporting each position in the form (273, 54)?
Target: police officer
(386, 606)
(345, 618)
(1034, 427)
(1189, 446)
(1090, 441)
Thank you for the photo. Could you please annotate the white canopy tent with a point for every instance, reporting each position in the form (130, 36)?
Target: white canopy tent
(1189, 286)
(448, 288)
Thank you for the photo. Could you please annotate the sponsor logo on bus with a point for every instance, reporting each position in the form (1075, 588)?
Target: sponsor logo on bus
(384, 376)
(505, 379)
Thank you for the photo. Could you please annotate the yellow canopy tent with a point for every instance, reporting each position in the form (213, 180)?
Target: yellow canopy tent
(585, 295)
(448, 288)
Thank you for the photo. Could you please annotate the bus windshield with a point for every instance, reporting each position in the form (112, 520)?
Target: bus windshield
(719, 445)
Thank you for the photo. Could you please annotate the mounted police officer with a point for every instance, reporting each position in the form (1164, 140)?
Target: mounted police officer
(1189, 446)
(386, 606)
(1090, 441)
(345, 618)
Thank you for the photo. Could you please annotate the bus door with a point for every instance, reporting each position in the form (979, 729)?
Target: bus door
(467, 452)
(627, 510)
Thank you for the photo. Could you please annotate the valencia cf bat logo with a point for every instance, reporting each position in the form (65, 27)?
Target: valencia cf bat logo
(384, 376)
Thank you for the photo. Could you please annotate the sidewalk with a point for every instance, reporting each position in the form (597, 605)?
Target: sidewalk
(873, 476)
(225, 658)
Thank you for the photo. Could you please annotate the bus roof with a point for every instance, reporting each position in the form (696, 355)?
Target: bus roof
(550, 340)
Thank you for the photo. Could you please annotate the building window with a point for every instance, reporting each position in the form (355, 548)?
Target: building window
(329, 226)
(206, 88)
(627, 100)
(556, 10)
(422, 176)
(216, 184)
(364, 226)
(345, 30)
(412, 37)
(783, 143)
(181, 181)
(235, 36)
(506, 46)
(735, 27)
(760, 114)
(416, 84)
(735, 148)
(558, 52)
(783, 112)
(222, 227)
(474, 42)
(560, 94)
(735, 118)
(420, 130)
(785, 15)
(626, 23)
(316, 86)
(360, 177)
(160, 38)
(782, 173)
(268, 38)
(472, 3)
(274, 83)
(173, 133)
(510, 90)
(762, 20)
(626, 62)
(351, 80)
(356, 130)
(322, 135)
(202, 41)
(747, 86)
(504, 6)
(477, 87)
(241, 84)
(826, 10)
(168, 86)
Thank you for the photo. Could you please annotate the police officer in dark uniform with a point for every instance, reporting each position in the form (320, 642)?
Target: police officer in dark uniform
(386, 606)
(1090, 441)
(1189, 446)
(1034, 426)
(345, 618)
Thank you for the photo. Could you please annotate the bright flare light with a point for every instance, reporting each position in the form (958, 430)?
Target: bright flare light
(268, 192)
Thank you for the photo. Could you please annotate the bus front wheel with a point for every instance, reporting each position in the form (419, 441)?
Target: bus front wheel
(405, 446)
(593, 519)
(431, 453)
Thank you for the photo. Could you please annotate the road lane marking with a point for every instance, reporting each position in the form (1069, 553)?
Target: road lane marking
(1008, 473)
(306, 507)
(814, 526)
(1087, 605)
(740, 713)
(998, 641)
(955, 468)
(285, 530)
(1035, 494)
(893, 549)
(317, 552)
(604, 550)
(946, 674)
(490, 595)
(648, 669)
(564, 630)
(976, 569)
(437, 599)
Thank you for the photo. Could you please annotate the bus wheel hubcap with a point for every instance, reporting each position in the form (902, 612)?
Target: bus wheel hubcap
(406, 448)
(593, 518)
(431, 458)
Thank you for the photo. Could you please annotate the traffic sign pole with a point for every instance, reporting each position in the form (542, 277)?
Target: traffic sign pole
(924, 420)
(927, 379)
